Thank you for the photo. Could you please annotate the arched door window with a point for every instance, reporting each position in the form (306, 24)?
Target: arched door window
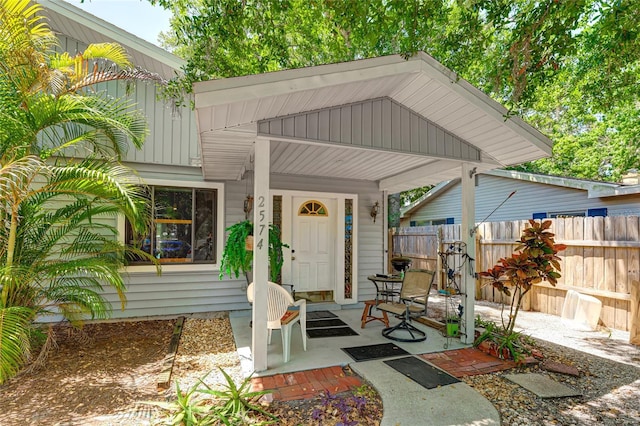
(313, 208)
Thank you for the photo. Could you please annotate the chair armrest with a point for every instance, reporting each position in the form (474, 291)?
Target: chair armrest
(302, 304)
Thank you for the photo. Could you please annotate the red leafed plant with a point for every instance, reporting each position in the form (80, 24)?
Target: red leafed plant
(534, 260)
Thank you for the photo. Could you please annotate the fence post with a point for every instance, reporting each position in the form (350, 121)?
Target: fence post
(634, 330)
(478, 264)
(440, 273)
(390, 246)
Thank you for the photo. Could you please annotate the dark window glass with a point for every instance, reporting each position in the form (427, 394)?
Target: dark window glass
(597, 212)
(204, 230)
(183, 226)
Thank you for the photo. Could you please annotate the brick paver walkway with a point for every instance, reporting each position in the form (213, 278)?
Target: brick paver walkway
(311, 383)
(467, 362)
(307, 384)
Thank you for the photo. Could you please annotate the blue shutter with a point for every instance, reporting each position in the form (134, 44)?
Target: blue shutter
(597, 212)
(412, 223)
(539, 216)
(449, 221)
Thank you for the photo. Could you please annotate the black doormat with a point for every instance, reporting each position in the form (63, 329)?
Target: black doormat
(382, 350)
(420, 372)
(314, 315)
(324, 323)
(330, 332)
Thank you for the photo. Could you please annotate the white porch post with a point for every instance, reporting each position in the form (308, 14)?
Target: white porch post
(466, 236)
(261, 209)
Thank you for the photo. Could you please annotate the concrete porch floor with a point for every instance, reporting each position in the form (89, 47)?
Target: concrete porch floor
(405, 402)
(326, 352)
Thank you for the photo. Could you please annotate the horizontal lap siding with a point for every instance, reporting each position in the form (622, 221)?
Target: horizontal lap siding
(178, 293)
(529, 198)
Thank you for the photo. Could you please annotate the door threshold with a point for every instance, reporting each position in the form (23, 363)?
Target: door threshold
(323, 296)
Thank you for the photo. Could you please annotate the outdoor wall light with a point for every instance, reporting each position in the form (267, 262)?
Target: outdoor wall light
(374, 211)
(248, 206)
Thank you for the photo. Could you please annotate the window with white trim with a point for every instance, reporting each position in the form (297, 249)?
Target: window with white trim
(184, 226)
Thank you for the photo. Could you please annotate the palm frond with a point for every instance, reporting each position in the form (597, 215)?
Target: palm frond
(17, 175)
(99, 63)
(24, 41)
(14, 340)
(114, 74)
(59, 250)
(76, 303)
(97, 124)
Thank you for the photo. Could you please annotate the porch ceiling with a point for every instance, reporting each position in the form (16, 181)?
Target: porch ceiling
(228, 112)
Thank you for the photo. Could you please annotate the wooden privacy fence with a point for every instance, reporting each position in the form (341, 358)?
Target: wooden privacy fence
(602, 259)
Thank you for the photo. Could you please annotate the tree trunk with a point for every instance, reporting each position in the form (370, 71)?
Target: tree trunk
(394, 210)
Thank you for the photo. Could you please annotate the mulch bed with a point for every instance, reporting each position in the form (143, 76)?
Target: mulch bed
(101, 374)
(103, 369)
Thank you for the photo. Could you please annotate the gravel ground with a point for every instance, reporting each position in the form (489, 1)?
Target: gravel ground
(611, 392)
(102, 378)
(609, 375)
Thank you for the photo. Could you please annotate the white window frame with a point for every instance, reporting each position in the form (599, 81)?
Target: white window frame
(220, 229)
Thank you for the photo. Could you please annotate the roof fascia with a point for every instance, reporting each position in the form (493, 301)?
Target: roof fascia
(236, 89)
(594, 189)
(620, 190)
(117, 34)
(215, 92)
(478, 98)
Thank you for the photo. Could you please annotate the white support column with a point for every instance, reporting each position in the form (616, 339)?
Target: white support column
(261, 209)
(385, 230)
(467, 236)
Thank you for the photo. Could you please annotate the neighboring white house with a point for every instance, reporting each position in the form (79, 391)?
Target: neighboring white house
(525, 196)
(317, 148)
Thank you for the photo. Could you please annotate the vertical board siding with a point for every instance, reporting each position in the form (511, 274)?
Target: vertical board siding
(602, 259)
(172, 140)
(380, 123)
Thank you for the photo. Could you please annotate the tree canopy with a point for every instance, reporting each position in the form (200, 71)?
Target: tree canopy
(570, 67)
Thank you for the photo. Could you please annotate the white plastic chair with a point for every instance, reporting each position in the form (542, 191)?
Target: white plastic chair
(278, 303)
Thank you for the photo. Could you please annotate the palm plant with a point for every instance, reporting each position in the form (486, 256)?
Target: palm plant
(60, 176)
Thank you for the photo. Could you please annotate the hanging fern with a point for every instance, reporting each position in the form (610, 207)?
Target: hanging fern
(236, 259)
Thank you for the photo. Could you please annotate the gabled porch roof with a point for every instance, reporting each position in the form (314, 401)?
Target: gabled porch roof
(401, 123)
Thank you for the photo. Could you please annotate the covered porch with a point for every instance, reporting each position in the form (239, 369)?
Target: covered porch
(326, 368)
(390, 123)
(327, 351)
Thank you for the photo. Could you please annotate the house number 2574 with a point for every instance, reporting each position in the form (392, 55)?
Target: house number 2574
(261, 222)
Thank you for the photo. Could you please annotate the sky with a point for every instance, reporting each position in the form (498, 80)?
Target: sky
(135, 16)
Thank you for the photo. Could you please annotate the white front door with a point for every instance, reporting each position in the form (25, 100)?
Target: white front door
(313, 243)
